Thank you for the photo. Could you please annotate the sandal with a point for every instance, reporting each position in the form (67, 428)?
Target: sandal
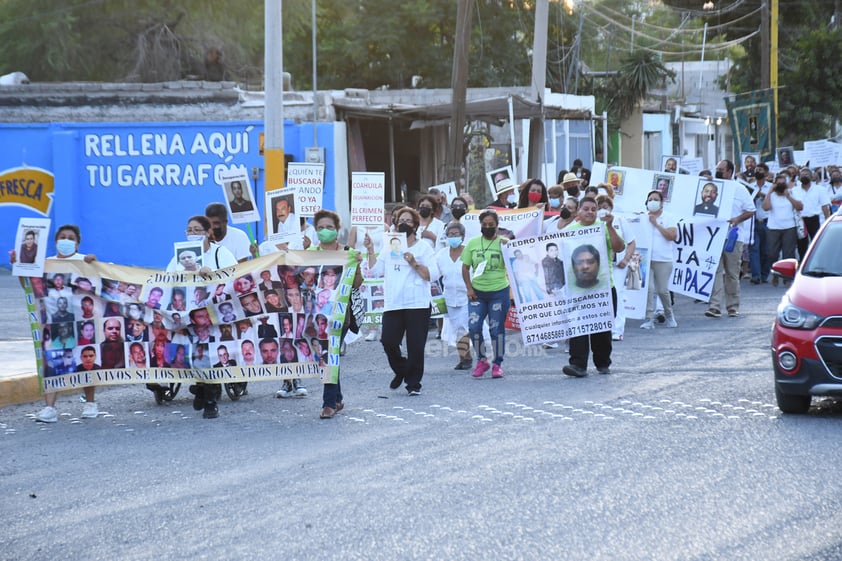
(327, 413)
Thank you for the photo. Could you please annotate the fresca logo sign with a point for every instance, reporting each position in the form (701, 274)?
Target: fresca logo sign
(29, 187)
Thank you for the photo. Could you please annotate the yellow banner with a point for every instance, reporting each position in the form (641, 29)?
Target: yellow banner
(29, 187)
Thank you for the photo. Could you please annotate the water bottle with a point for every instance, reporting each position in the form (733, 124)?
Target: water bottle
(733, 233)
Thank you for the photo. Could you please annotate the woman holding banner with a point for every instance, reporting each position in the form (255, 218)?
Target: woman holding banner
(664, 232)
(407, 302)
(214, 257)
(68, 238)
(484, 275)
(327, 230)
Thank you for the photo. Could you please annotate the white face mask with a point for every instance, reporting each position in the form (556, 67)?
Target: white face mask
(602, 213)
(66, 247)
(653, 206)
(195, 237)
(512, 199)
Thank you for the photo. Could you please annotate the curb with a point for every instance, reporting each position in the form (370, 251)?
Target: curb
(19, 388)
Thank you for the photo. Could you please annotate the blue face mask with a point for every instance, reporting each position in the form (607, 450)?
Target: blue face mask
(555, 203)
(454, 242)
(66, 247)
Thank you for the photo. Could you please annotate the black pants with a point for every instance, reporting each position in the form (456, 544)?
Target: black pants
(599, 343)
(414, 323)
(811, 224)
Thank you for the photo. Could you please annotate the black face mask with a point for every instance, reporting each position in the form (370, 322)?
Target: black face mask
(760, 175)
(488, 232)
(406, 228)
(573, 191)
(564, 213)
(458, 212)
(805, 180)
(425, 212)
(217, 233)
(780, 187)
(719, 175)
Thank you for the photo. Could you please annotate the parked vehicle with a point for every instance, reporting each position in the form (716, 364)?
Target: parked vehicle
(807, 334)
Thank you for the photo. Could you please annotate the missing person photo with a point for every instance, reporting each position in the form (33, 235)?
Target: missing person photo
(615, 178)
(663, 184)
(670, 163)
(238, 198)
(708, 194)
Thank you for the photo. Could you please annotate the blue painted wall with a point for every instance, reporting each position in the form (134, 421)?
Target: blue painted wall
(132, 186)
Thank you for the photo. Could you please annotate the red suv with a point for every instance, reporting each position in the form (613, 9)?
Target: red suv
(807, 335)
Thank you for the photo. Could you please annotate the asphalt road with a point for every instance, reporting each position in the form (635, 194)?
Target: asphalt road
(678, 455)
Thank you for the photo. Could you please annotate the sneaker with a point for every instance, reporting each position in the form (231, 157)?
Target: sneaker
(575, 371)
(90, 410)
(671, 322)
(481, 368)
(211, 411)
(496, 371)
(414, 393)
(199, 399)
(285, 391)
(603, 370)
(616, 337)
(550, 345)
(713, 313)
(47, 415)
(465, 364)
(327, 413)
(733, 313)
(648, 324)
(396, 382)
(755, 280)
(372, 336)
(298, 390)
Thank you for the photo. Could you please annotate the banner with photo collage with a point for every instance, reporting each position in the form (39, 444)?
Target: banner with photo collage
(561, 284)
(272, 318)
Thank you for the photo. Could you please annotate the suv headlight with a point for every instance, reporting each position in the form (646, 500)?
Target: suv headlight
(794, 317)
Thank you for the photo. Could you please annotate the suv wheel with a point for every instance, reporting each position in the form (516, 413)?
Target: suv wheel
(789, 403)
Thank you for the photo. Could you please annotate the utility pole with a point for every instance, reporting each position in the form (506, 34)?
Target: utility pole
(273, 79)
(539, 81)
(765, 48)
(459, 91)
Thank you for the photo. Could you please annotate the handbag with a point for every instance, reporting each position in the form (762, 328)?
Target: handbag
(799, 225)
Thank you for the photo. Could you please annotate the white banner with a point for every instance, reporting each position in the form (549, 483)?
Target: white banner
(309, 183)
(561, 284)
(521, 223)
(368, 198)
(700, 243)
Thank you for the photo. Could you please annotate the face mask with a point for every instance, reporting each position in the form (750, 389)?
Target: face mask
(805, 180)
(458, 213)
(573, 191)
(602, 213)
(719, 175)
(425, 212)
(653, 206)
(488, 232)
(454, 242)
(406, 228)
(533, 197)
(326, 235)
(555, 203)
(512, 199)
(760, 175)
(565, 213)
(217, 234)
(195, 237)
(66, 247)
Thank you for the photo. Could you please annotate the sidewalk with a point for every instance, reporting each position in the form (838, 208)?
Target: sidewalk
(18, 380)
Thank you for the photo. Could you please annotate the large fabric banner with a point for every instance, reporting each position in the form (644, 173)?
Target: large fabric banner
(276, 317)
(561, 284)
(514, 224)
(699, 248)
(753, 123)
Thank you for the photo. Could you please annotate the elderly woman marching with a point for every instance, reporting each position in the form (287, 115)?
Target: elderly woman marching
(407, 301)
(449, 262)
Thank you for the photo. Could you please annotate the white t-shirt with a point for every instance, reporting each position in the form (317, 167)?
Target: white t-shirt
(237, 242)
(404, 288)
(743, 202)
(455, 291)
(662, 248)
(814, 199)
(781, 217)
(435, 226)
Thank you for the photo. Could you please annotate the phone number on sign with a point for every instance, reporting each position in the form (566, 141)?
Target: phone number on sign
(583, 329)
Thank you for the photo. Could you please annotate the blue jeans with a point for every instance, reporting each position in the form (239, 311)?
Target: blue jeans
(494, 305)
(332, 393)
(757, 254)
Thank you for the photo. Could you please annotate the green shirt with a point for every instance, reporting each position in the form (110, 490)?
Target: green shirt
(493, 277)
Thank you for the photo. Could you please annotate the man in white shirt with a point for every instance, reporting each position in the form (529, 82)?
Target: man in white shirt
(727, 278)
(233, 239)
(816, 202)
